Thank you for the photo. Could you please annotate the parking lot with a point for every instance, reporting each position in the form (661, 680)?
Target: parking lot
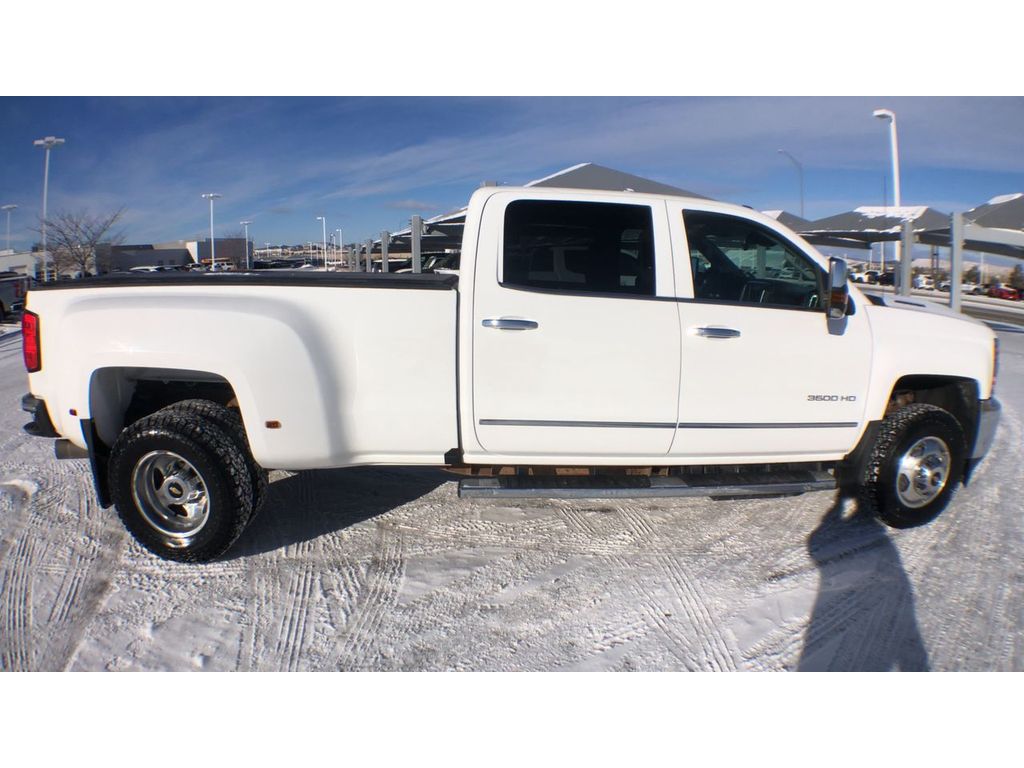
(387, 568)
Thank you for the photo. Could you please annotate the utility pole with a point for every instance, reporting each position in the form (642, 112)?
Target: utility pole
(7, 209)
(323, 221)
(211, 196)
(47, 143)
(248, 264)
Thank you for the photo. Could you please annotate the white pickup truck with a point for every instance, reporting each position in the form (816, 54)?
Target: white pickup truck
(593, 343)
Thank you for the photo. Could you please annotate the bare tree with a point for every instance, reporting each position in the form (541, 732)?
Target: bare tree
(1017, 277)
(72, 239)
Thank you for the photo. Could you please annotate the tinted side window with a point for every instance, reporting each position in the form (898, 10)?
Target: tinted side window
(735, 260)
(569, 246)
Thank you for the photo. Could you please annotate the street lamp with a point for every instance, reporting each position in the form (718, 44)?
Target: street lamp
(211, 196)
(341, 252)
(323, 221)
(246, 224)
(8, 209)
(47, 143)
(800, 170)
(888, 114)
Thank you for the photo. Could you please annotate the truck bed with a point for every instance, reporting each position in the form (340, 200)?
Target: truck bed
(328, 369)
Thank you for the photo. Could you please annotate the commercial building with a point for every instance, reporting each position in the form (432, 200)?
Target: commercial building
(120, 258)
(226, 249)
(22, 262)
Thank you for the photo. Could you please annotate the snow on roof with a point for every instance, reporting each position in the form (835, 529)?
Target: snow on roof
(903, 213)
(1000, 199)
(562, 172)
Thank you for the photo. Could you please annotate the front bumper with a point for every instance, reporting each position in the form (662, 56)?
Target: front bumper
(988, 420)
(40, 426)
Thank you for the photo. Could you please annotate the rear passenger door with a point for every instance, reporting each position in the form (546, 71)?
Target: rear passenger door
(576, 345)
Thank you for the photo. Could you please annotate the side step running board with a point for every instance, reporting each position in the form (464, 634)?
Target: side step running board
(725, 485)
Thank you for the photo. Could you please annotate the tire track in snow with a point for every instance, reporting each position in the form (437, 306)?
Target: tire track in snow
(16, 606)
(247, 644)
(292, 637)
(384, 583)
(86, 543)
(651, 603)
(716, 648)
(17, 565)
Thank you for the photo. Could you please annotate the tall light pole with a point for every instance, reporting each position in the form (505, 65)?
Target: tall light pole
(888, 114)
(211, 196)
(341, 251)
(246, 224)
(800, 171)
(47, 143)
(323, 220)
(7, 209)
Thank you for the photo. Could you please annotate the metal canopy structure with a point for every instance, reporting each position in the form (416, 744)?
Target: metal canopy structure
(995, 227)
(445, 231)
(438, 233)
(869, 224)
(593, 176)
(788, 219)
(1003, 212)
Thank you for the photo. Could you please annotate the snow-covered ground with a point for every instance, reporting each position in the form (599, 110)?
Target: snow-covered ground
(388, 569)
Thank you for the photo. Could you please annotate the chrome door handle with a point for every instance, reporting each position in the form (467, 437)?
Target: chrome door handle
(716, 332)
(509, 324)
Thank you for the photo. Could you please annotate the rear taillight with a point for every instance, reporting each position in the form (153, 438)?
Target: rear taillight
(30, 341)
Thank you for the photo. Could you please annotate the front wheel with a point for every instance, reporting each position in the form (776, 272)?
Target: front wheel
(180, 485)
(915, 466)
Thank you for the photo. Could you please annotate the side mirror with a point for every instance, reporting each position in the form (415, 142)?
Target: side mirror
(838, 292)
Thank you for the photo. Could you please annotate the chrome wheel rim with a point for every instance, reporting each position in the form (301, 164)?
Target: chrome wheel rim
(923, 472)
(171, 495)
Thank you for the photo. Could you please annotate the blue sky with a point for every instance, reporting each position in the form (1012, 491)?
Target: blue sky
(370, 163)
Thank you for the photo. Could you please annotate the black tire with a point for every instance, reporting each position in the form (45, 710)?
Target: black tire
(881, 484)
(231, 424)
(212, 456)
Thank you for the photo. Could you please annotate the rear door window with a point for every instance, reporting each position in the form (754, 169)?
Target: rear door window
(579, 247)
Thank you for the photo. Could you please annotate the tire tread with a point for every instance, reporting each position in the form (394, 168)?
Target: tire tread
(204, 437)
(874, 495)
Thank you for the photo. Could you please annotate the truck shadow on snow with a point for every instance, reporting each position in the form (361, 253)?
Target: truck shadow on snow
(863, 617)
(310, 504)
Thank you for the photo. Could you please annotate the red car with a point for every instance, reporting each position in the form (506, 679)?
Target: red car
(1003, 292)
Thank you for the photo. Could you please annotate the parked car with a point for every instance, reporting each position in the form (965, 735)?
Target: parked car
(923, 282)
(966, 289)
(888, 278)
(153, 269)
(1004, 292)
(13, 287)
(608, 332)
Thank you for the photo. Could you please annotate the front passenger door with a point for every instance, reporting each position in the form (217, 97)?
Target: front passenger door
(762, 376)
